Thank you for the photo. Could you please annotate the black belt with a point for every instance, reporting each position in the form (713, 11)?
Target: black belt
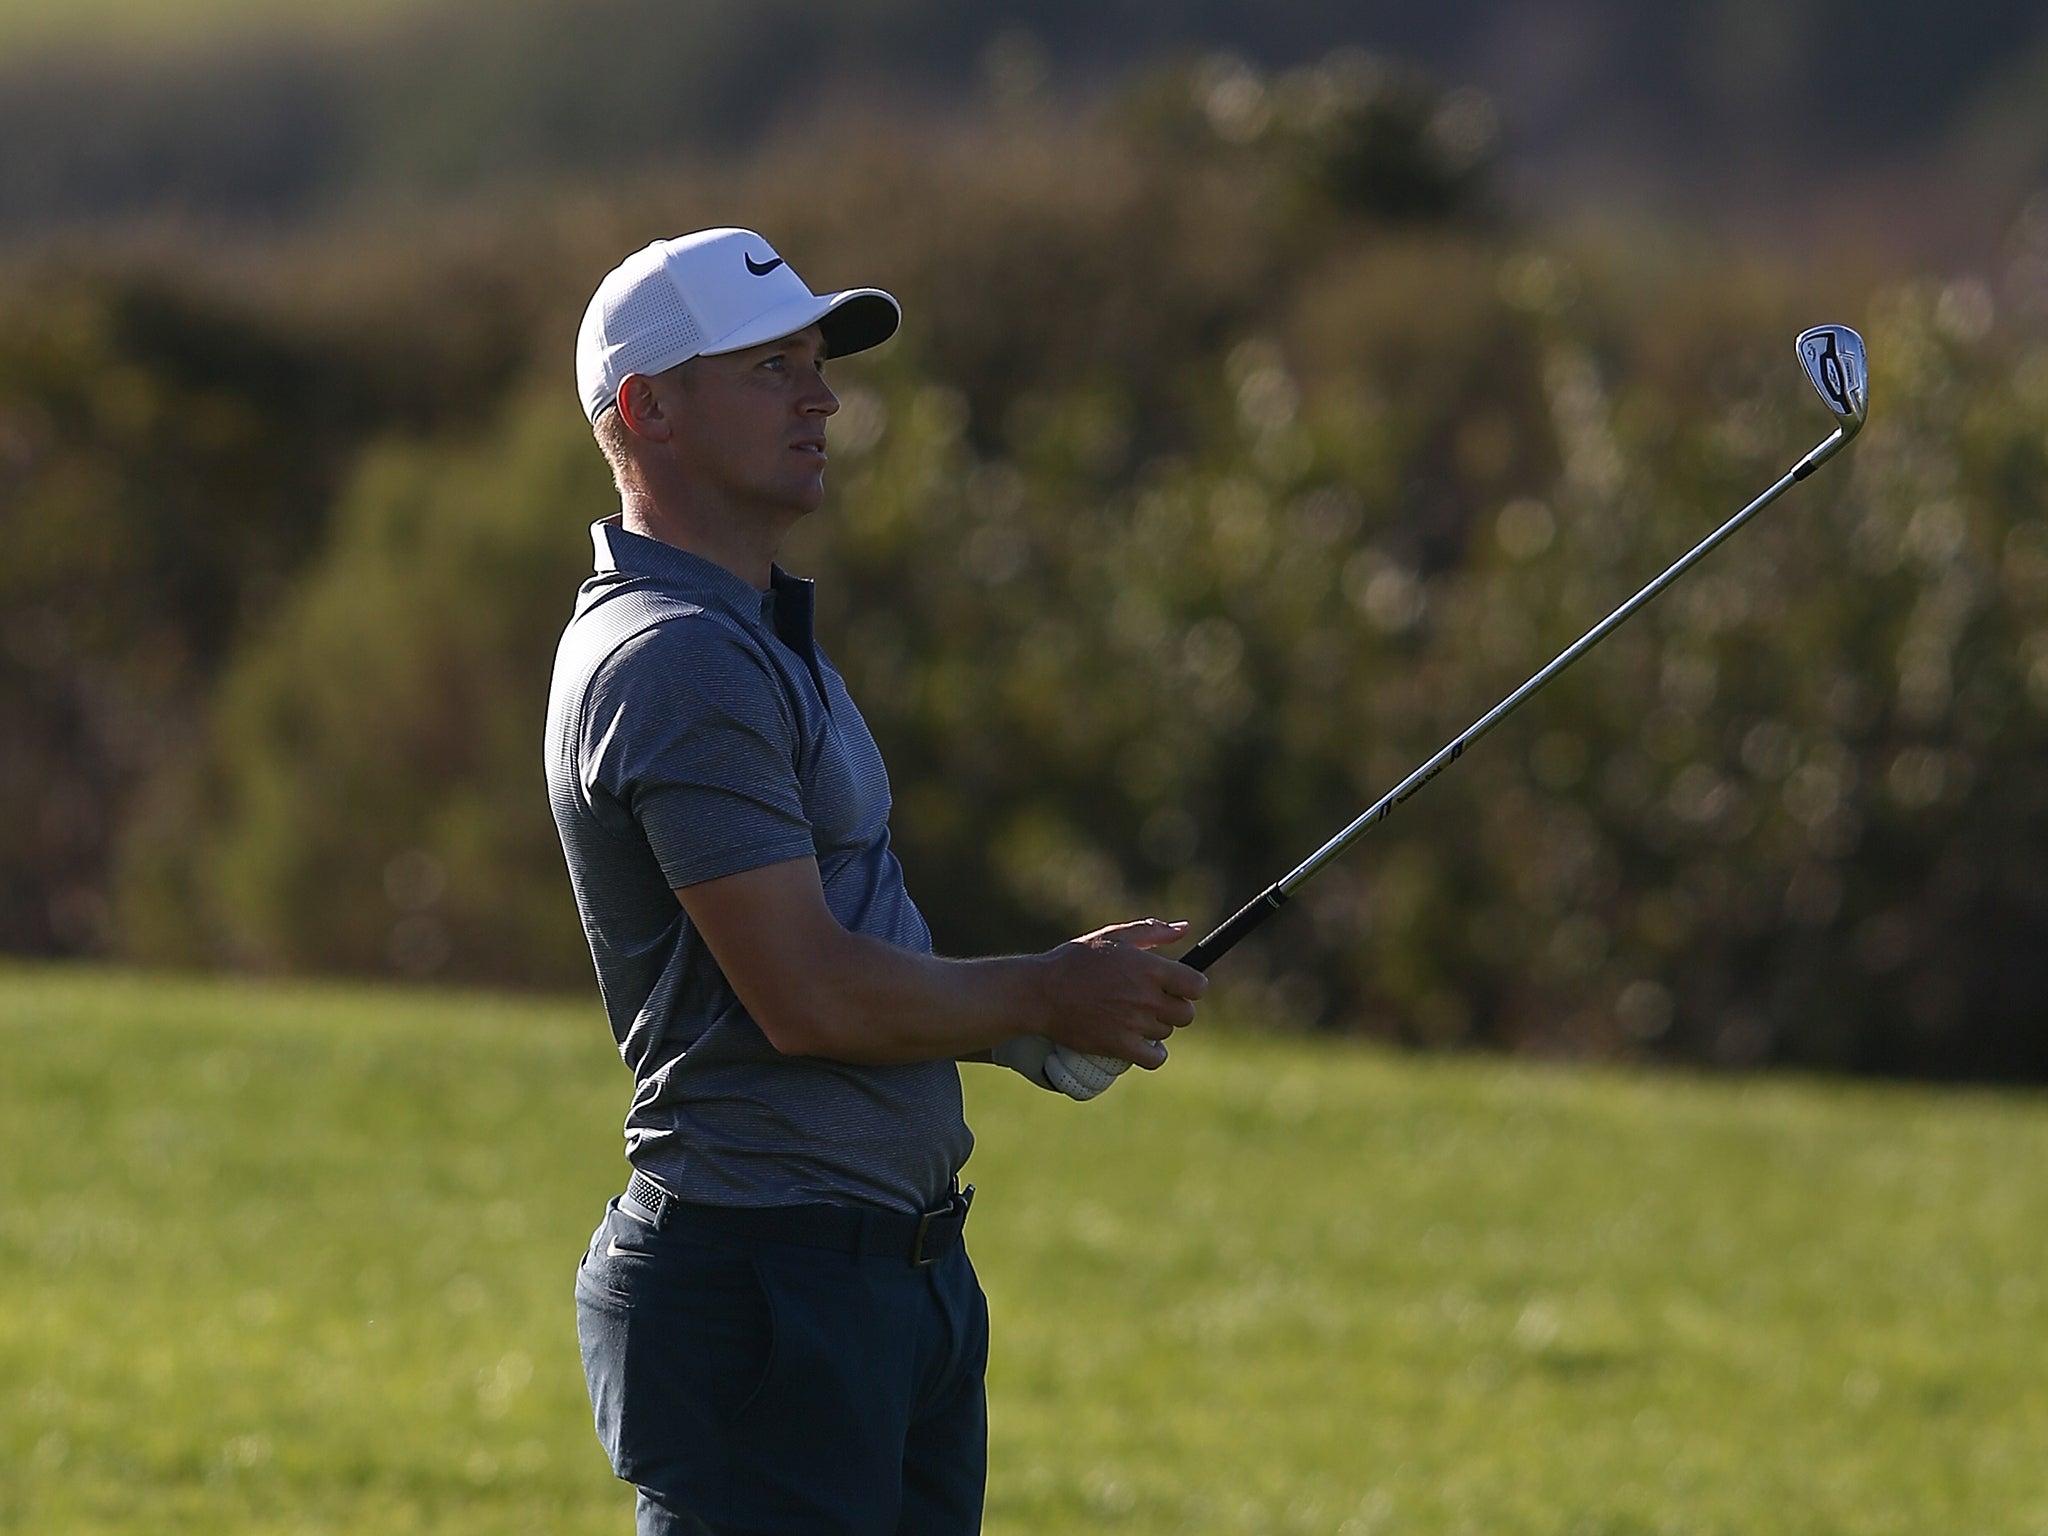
(924, 1237)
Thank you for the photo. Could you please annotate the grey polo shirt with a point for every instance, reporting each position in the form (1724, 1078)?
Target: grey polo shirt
(696, 730)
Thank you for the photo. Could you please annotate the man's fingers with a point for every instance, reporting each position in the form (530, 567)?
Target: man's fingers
(1150, 933)
(1113, 998)
(1141, 1051)
(1080, 1075)
(1146, 933)
(1174, 979)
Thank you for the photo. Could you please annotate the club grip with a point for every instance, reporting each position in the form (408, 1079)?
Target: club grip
(1254, 912)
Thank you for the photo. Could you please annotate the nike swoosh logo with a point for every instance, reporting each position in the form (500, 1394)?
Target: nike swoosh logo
(765, 270)
(612, 1250)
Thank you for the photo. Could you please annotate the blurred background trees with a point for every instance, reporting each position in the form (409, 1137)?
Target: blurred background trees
(1253, 428)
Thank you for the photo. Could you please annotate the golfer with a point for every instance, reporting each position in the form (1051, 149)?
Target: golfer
(780, 1326)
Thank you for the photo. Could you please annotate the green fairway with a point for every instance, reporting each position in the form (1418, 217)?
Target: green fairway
(299, 1259)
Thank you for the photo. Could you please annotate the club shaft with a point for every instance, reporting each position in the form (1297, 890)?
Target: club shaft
(1254, 912)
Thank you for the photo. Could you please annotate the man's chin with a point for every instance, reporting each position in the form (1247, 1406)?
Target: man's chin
(809, 496)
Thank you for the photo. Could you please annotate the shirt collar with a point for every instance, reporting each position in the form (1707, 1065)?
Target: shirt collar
(786, 609)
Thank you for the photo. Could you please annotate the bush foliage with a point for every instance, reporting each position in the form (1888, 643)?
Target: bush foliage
(1204, 496)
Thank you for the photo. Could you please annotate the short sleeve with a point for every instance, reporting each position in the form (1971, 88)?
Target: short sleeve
(690, 737)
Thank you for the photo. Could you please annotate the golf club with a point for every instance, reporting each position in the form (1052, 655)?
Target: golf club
(1833, 358)
(1834, 361)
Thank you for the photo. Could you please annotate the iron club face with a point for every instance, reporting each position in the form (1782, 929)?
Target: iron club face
(1833, 357)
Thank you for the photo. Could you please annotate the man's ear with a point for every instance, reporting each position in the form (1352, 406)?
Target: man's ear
(642, 410)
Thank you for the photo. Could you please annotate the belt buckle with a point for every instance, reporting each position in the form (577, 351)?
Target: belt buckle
(956, 1204)
(918, 1258)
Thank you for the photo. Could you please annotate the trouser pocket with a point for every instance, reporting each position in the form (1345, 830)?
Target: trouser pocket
(678, 1338)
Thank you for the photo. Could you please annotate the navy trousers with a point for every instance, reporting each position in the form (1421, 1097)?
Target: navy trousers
(748, 1388)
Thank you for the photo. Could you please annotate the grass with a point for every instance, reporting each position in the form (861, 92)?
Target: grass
(298, 1259)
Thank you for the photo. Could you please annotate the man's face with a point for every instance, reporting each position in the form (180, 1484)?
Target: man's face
(750, 426)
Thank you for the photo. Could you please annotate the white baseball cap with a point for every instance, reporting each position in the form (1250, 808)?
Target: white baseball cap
(718, 290)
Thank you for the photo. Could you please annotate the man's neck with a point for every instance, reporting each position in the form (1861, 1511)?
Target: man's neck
(745, 546)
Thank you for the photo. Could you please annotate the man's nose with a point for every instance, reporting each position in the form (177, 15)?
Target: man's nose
(821, 401)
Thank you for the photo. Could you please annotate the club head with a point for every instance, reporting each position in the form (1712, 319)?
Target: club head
(1833, 357)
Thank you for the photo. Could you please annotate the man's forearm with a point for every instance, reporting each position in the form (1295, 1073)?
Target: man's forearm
(869, 1002)
(817, 989)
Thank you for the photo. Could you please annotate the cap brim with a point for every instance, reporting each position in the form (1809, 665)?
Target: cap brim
(853, 320)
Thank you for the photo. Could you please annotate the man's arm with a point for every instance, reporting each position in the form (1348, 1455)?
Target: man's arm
(816, 989)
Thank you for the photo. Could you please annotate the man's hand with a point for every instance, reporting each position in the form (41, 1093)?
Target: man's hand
(1057, 1069)
(1081, 1076)
(1107, 998)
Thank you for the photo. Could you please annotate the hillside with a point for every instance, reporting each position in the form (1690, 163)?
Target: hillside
(139, 28)
(1799, 122)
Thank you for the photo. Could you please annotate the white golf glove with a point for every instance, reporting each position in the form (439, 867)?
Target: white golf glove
(1081, 1076)
(1054, 1067)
